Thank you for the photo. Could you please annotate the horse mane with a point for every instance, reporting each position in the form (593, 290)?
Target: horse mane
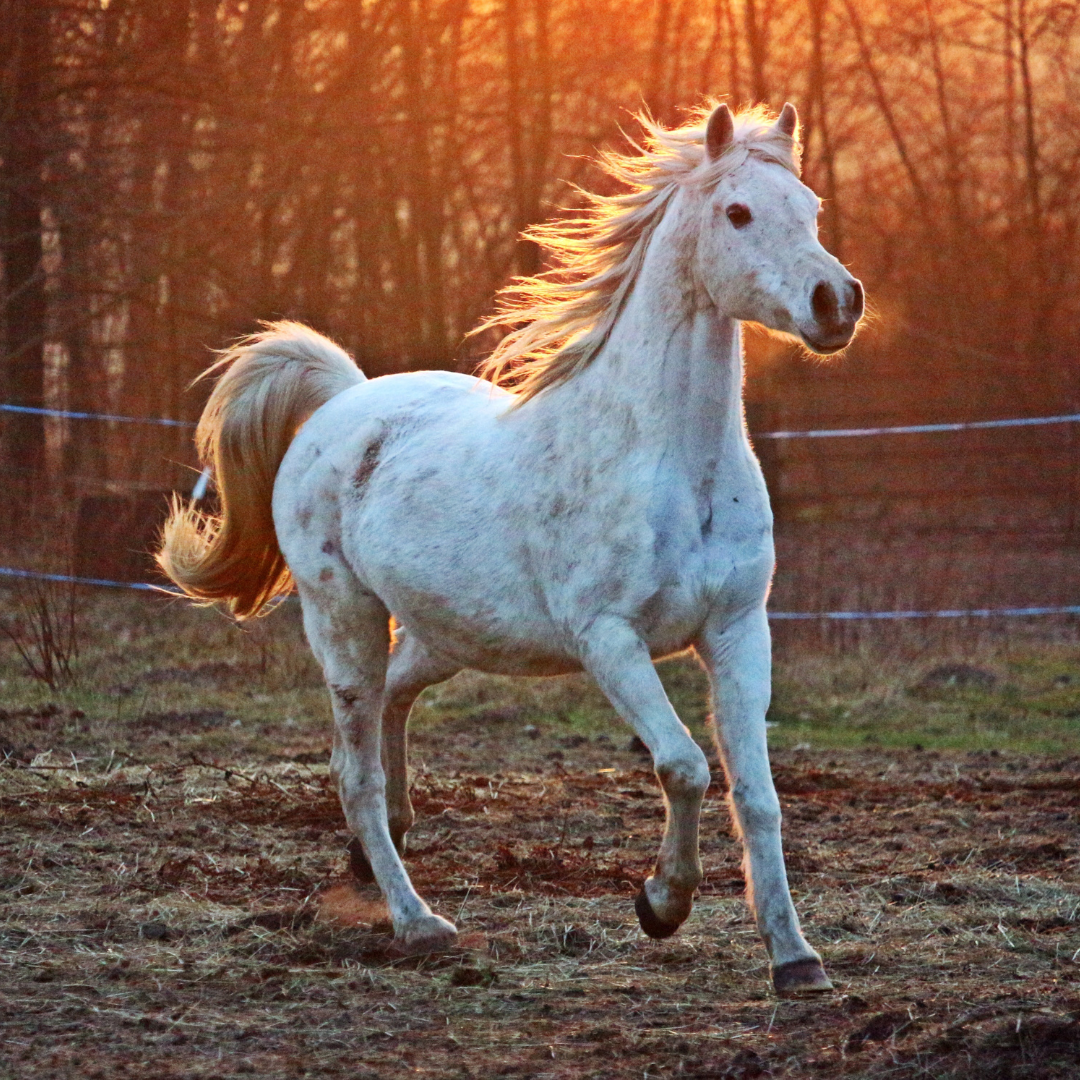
(563, 315)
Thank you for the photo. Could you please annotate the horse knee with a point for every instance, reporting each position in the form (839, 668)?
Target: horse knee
(756, 812)
(352, 700)
(355, 783)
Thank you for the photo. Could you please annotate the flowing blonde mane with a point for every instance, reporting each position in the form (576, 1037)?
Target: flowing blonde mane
(562, 316)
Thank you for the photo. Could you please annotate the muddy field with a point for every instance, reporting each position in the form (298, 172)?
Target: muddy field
(175, 898)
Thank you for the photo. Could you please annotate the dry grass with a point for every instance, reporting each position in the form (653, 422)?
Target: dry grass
(174, 899)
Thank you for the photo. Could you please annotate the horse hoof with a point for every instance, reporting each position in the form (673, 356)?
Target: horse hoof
(801, 977)
(652, 925)
(358, 863)
(432, 935)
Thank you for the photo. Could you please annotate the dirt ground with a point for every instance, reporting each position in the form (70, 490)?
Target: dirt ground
(187, 921)
(175, 898)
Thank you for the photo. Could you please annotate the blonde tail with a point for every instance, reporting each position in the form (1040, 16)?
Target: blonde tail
(271, 383)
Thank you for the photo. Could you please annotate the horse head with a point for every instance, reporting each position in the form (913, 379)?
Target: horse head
(758, 253)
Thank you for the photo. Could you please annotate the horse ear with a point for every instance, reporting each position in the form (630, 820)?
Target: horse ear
(719, 132)
(789, 120)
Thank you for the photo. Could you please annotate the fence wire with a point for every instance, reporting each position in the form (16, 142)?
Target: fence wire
(913, 613)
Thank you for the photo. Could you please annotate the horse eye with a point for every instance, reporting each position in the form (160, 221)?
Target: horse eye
(739, 215)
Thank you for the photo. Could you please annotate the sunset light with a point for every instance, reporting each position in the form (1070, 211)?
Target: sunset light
(540, 538)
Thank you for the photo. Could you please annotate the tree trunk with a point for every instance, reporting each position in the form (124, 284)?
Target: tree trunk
(516, 121)
(1009, 104)
(818, 127)
(887, 113)
(1031, 148)
(756, 24)
(25, 307)
(425, 229)
(954, 170)
(734, 76)
(529, 99)
(708, 59)
(654, 85)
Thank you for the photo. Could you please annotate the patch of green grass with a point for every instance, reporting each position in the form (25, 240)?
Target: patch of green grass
(157, 677)
(153, 671)
(566, 705)
(1026, 701)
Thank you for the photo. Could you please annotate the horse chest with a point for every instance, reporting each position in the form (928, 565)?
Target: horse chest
(714, 576)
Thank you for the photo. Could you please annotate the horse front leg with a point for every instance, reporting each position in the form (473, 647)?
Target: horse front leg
(619, 661)
(738, 657)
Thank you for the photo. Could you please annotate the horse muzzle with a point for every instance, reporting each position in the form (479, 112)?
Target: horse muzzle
(835, 317)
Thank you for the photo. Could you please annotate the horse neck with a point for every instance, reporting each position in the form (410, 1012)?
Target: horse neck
(672, 360)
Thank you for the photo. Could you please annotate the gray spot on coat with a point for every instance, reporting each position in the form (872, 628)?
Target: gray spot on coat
(368, 464)
(347, 695)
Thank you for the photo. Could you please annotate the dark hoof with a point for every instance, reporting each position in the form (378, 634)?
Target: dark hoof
(432, 934)
(358, 863)
(649, 922)
(801, 977)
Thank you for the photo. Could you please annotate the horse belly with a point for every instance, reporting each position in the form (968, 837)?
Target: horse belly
(491, 613)
(478, 608)
(477, 637)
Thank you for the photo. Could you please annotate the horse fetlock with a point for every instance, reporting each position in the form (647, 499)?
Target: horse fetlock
(426, 933)
(669, 901)
(679, 882)
(400, 820)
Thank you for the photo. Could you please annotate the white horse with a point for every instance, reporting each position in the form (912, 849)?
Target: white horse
(605, 511)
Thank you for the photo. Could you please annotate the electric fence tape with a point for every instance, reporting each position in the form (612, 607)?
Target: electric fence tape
(67, 414)
(778, 616)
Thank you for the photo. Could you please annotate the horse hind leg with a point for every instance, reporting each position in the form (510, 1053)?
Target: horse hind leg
(348, 629)
(411, 670)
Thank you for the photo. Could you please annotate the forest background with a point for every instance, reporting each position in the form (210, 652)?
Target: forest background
(172, 171)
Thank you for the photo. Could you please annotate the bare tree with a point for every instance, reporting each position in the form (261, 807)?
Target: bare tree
(757, 20)
(25, 125)
(369, 167)
(817, 133)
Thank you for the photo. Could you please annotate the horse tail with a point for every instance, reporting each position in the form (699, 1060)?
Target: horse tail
(270, 383)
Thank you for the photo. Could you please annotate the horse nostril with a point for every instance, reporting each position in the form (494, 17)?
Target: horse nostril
(823, 301)
(857, 300)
